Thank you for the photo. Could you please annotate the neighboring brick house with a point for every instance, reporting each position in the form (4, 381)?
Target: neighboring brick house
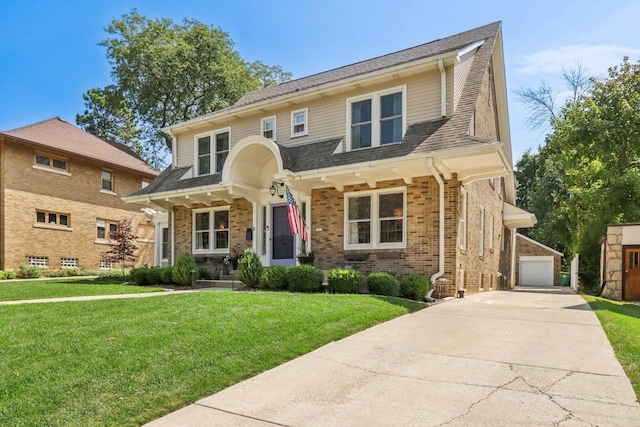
(537, 264)
(399, 163)
(60, 192)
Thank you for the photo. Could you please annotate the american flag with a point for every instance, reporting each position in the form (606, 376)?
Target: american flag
(296, 222)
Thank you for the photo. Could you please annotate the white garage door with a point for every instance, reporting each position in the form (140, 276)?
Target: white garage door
(536, 271)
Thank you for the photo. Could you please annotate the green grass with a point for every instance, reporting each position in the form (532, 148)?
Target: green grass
(126, 362)
(54, 288)
(621, 323)
(410, 305)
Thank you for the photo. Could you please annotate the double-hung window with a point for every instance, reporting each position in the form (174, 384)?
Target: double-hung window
(107, 181)
(375, 219)
(212, 150)
(105, 228)
(268, 128)
(299, 119)
(376, 119)
(211, 230)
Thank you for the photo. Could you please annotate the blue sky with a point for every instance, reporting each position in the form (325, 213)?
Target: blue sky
(50, 53)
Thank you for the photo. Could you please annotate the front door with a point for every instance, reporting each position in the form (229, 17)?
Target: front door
(631, 281)
(282, 241)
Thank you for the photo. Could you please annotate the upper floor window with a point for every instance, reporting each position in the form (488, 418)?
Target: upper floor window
(52, 218)
(299, 123)
(47, 162)
(376, 119)
(104, 225)
(211, 151)
(269, 128)
(107, 181)
(375, 219)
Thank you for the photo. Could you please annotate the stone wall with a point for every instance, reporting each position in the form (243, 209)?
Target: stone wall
(613, 258)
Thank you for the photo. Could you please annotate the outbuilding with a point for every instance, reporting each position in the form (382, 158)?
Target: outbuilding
(537, 264)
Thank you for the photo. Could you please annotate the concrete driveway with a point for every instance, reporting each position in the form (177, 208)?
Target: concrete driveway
(529, 357)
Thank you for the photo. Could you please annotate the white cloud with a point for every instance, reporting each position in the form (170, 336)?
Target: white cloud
(596, 59)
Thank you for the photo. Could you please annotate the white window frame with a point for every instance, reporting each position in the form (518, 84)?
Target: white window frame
(481, 231)
(68, 263)
(262, 129)
(38, 261)
(463, 218)
(375, 219)
(212, 150)
(375, 115)
(306, 123)
(106, 264)
(212, 249)
(106, 224)
(50, 165)
(111, 190)
(491, 231)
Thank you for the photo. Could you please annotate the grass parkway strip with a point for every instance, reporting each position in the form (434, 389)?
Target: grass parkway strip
(129, 361)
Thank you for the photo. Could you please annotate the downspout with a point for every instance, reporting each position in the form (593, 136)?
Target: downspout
(436, 175)
(512, 279)
(443, 88)
(173, 236)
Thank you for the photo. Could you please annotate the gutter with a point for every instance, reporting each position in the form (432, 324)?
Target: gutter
(436, 175)
(443, 88)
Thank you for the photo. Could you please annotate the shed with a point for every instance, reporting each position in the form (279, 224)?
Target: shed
(537, 264)
(620, 262)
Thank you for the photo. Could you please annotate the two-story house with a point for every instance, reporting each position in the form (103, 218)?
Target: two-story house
(60, 193)
(399, 163)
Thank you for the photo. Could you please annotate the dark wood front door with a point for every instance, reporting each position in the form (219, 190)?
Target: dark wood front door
(631, 283)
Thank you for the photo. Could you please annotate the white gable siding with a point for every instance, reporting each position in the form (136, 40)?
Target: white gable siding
(327, 116)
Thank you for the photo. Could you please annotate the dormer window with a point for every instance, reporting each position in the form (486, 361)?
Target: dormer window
(376, 119)
(211, 151)
(269, 128)
(299, 122)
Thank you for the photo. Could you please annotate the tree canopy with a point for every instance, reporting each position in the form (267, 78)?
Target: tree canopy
(165, 73)
(588, 173)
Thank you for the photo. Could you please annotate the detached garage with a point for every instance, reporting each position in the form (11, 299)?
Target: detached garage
(538, 265)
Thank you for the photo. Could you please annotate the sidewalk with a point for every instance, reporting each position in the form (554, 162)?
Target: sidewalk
(533, 357)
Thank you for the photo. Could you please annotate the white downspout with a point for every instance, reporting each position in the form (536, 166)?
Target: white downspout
(443, 88)
(436, 175)
(513, 258)
(173, 236)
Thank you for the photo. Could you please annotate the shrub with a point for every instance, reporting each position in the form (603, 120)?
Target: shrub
(166, 275)
(415, 287)
(28, 271)
(9, 274)
(154, 275)
(345, 281)
(383, 284)
(274, 277)
(304, 278)
(183, 267)
(139, 276)
(250, 268)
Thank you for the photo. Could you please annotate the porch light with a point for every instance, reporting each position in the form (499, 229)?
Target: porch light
(275, 189)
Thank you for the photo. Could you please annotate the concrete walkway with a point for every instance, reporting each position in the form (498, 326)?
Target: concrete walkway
(535, 357)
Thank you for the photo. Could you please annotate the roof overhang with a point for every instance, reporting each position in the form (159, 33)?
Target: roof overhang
(514, 217)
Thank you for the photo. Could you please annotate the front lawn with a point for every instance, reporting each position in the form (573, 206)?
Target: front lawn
(54, 288)
(129, 361)
(621, 323)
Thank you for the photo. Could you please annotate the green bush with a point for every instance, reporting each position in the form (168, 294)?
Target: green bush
(185, 264)
(383, 284)
(139, 277)
(345, 281)
(9, 274)
(28, 271)
(166, 275)
(304, 278)
(414, 287)
(204, 274)
(250, 268)
(274, 277)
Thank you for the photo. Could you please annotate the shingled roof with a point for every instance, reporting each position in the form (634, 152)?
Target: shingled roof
(406, 56)
(58, 134)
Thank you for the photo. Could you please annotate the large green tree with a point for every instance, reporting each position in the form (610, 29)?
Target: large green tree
(168, 72)
(588, 173)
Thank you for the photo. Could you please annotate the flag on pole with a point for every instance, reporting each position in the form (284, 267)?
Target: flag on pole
(296, 221)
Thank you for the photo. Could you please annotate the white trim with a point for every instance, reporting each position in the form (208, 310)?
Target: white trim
(469, 48)
(481, 231)
(212, 150)
(111, 193)
(50, 169)
(262, 129)
(375, 114)
(211, 230)
(463, 218)
(52, 227)
(306, 122)
(441, 252)
(540, 244)
(375, 219)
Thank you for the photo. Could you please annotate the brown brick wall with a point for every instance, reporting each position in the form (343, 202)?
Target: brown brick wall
(26, 190)
(526, 248)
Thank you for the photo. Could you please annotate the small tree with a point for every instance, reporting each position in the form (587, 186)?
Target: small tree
(122, 247)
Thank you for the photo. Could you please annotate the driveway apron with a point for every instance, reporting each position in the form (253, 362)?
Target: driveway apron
(529, 357)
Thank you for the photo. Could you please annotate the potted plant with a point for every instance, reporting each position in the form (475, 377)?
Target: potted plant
(305, 256)
(233, 259)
